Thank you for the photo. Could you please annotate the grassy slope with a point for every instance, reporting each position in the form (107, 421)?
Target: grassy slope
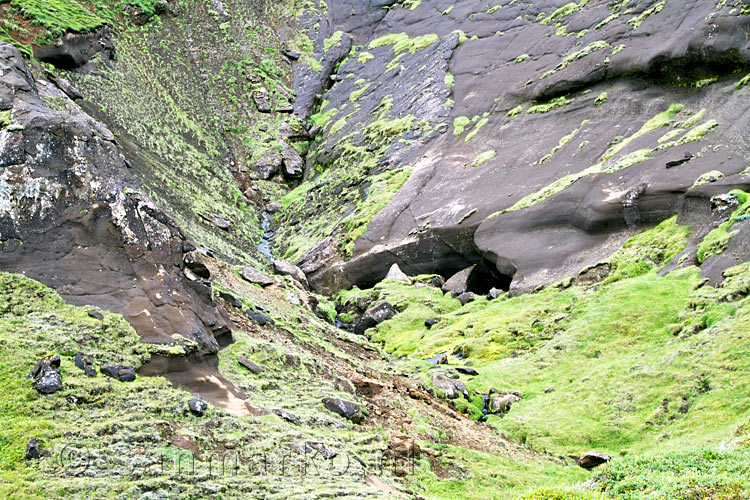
(640, 365)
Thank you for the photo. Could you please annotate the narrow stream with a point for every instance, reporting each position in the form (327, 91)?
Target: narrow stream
(266, 223)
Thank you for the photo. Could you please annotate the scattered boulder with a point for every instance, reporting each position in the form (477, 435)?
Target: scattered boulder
(230, 299)
(84, 363)
(217, 220)
(95, 314)
(197, 406)
(374, 316)
(430, 322)
(292, 55)
(122, 373)
(549, 390)
(326, 453)
(46, 375)
(395, 273)
(259, 317)
(346, 409)
(254, 276)
(592, 459)
(288, 269)
(267, 165)
(466, 297)
(261, 100)
(501, 403)
(446, 385)
(32, 449)
(466, 370)
(289, 417)
(292, 162)
(437, 281)
(459, 282)
(253, 367)
(494, 293)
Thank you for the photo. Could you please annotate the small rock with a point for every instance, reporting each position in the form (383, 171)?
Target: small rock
(217, 220)
(231, 300)
(197, 406)
(549, 390)
(502, 402)
(593, 459)
(273, 207)
(84, 363)
(446, 385)
(254, 276)
(346, 409)
(95, 314)
(437, 281)
(261, 100)
(466, 370)
(259, 317)
(253, 367)
(326, 453)
(32, 449)
(430, 322)
(288, 269)
(293, 164)
(494, 293)
(120, 372)
(292, 55)
(459, 282)
(395, 273)
(287, 416)
(374, 316)
(267, 165)
(46, 375)
(466, 297)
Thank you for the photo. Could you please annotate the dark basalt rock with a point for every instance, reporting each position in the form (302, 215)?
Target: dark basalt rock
(259, 317)
(289, 417)
(197, 406)
(466, 297)
(74, 50)
(122, 373)
(194, 262)
(430, 322)
(494, 293)
(253, 367)
(466, 370)
(292, 163)
(85, 363)
(33, 450)
(95, 315)
(593, 459)
(90, 233)
(46, 375)
(374, 316)
(261, 100)
(346, 409)
(267, 165)
(231, 300)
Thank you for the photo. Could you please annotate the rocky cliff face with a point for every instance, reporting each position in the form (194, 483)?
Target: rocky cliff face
(537, 135)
